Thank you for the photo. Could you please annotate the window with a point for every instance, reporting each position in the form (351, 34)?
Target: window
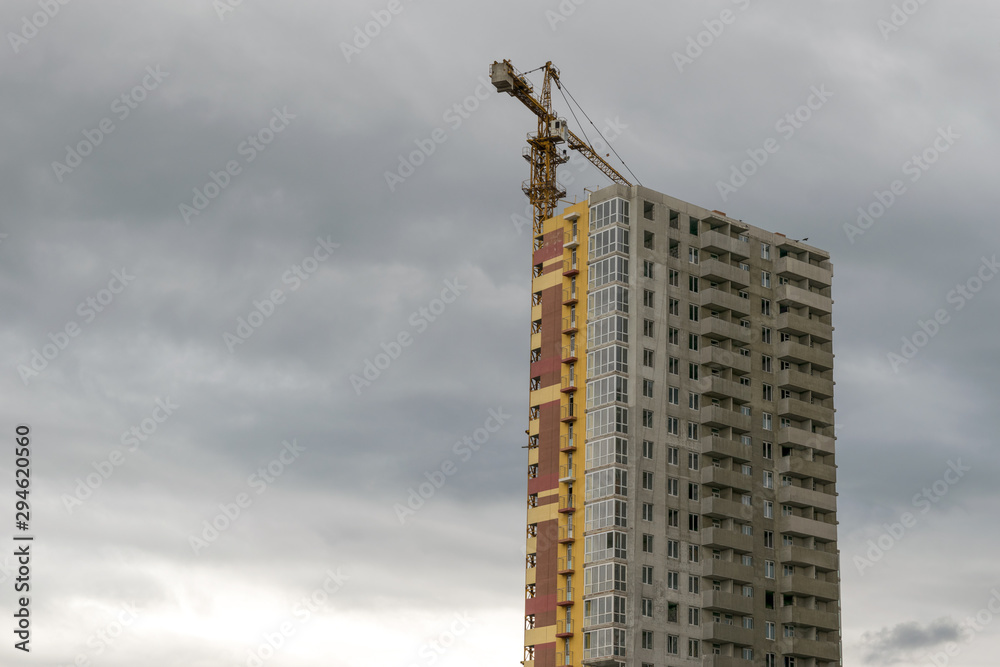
(694, 648)
(788, 570)
(787, 541)
(768, 539)
(765, 335)
(647, 480)
(745, 380)
(694, 553)
(693, 461)
(769, 569)
(672, 486)
(693, 371)
(647, 449)
(747, 499)
(786, 510)
(612, 269)
(785, 423)
(647, 388)
(765, 306)
(607, 609)
(673, 454)
(768, 392)
(606, 482)
(693, 522)
(603, 546)
(694, 401)
(674, 278)
(673, 549)
(768, 479)
(647, 328)
(647, 607)
(674, 366)
(786, 480)
(673, 395)
(747, 469)
(692, 225)
(747, 560)
(745, 410)
(647, 298)
(647, 512)
(692, 491)
(766, 424)
(743, 294)
(765, 279)
(769, 634)
(647, 240)
(694, 583)
(747, 652)
(693, 255)
(647, 543)
(674, 307)
(785, 394)
(765, 251)
(768, 509)
(673, 336)
(789, 630)
(748, 622)
(647, 574)
(748, 591)
(673, 518)
(647, 269)
(745, 440)
(673, 641)
(673, 426)
(647, 358)
(744, 351)
(789, 661)
(694, 616)
(673, 581)
(693, 312)
(746, 529)
(692, 431)
(693, 284)
(613, 298)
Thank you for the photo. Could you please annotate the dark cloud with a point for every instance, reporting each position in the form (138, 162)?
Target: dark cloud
(893, 645)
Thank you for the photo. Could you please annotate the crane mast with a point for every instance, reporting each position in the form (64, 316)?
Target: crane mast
(545, 152)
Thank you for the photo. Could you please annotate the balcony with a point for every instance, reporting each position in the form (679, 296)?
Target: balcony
(570, 267)
(796, 297)
(716, 271)
(716, 357)
(797, 353)
(799, 526)
(566, 533)
(800, 410)
(567, 474)
(796, 269)
(796, 381)
(798, 438)
(796, 496)
(720, 243)
(810, 648)
(568, 384)
(715, 416)
(721, 538)
(797, 325)
(724, 448)
(719, 661)
(718, 477)
(721, 569)
(569, 325)
(796, 466)
(565, 566)
(571, 239)
(716, 299)
(569, 353)
(719, 329)
(717, 508)
(806, 586)
(824, 620)
(564, 659)
(570, 412)
(567, 443)
(569, 296)
(723, 633)
(567, 504)
(823, 561)
(727, 602)
(564, 597)
(564, 627)
(715, 387)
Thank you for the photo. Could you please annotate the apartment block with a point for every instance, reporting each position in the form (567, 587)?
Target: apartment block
(682, 504)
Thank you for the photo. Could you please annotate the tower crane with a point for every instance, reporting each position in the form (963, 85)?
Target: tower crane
(544, 151)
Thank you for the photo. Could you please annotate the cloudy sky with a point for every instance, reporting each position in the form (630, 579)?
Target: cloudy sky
(213, 216)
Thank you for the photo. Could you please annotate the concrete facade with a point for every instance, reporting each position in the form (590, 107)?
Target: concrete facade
(682, 482)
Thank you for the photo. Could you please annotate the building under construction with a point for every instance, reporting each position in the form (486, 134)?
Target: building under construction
(681, 462)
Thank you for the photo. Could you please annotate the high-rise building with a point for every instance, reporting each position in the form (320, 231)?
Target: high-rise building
(681, 476)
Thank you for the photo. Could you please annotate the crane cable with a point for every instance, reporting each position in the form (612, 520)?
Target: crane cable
(560, 86)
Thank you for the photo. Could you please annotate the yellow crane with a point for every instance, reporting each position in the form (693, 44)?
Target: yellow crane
(544, 153)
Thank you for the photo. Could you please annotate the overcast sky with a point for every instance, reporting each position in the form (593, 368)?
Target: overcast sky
(171, 167)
